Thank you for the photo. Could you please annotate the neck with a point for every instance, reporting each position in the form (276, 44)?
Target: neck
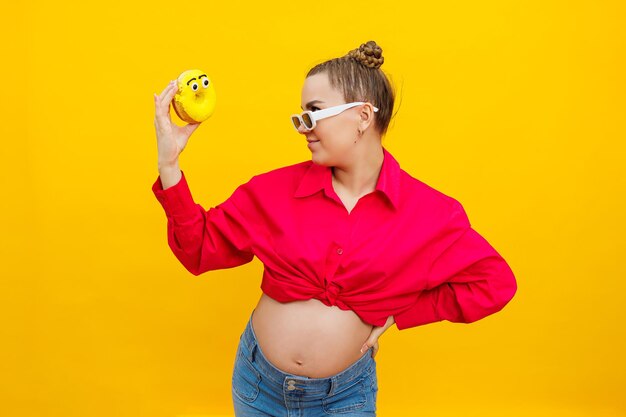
(360, 176)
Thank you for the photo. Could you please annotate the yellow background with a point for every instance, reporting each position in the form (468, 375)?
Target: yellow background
(514, 108)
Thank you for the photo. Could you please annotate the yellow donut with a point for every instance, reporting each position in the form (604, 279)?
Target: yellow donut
(194, 101)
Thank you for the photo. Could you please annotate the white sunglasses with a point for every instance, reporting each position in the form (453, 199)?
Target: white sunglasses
(308, 118)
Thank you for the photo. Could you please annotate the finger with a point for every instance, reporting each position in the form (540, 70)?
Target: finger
(167, 100)
(167, 87)
(161, 110)
(164, 90)
(158, 103)
(190, 128)
(155, 98)
(162, 115)
(163, 102)
(162, 99)
(168, 93)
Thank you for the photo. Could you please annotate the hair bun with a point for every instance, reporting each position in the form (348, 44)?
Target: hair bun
(368, 54)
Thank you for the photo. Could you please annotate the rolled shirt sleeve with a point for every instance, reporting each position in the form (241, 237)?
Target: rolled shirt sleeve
(467, 279)
(205, 240)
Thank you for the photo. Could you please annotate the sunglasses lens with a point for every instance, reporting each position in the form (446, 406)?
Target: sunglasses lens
(296, 122)
(306, 118)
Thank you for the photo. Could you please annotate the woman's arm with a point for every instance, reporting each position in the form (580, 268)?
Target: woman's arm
(468, 278)
(204, 240)
(372, 340)
(170, 175)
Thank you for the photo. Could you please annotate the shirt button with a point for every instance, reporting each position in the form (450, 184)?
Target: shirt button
(339, 251)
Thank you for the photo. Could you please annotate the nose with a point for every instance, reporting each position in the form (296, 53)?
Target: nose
(301, 129)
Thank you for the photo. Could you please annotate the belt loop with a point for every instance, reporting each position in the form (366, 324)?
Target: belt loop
(253, 352)
(253, 343)
(333, 383)
(250, 342)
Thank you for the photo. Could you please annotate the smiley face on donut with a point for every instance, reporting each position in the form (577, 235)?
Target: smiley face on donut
(194, 102)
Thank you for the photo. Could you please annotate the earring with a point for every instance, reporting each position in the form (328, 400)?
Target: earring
(360, 134)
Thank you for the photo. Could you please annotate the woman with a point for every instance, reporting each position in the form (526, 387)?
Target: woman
(350, 242)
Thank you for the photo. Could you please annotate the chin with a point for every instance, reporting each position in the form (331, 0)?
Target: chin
(315, 157)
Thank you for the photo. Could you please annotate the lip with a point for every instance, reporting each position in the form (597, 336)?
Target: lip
(312, 141)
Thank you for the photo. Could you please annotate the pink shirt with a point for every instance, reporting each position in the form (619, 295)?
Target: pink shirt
(405, 249)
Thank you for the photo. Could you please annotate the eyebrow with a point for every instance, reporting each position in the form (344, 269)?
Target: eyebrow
(308, 105)
(203, 75)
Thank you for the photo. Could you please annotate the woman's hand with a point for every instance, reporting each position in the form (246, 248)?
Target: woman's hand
(171, 138)
(372, 340)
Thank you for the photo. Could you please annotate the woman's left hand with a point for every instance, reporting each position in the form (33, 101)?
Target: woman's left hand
(372, 340)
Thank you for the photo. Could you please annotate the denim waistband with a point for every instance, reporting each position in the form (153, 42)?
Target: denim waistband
(363, 366)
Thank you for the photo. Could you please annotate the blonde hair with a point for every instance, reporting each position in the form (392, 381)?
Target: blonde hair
(359, 77)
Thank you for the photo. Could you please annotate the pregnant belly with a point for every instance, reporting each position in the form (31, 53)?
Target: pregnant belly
(308, 338)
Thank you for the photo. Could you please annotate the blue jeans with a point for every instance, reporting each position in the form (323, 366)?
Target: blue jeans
(261, 389)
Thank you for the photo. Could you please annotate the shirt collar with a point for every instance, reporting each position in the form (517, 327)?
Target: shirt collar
(319, 177)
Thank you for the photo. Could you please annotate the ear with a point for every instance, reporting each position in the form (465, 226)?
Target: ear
(366, 116)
